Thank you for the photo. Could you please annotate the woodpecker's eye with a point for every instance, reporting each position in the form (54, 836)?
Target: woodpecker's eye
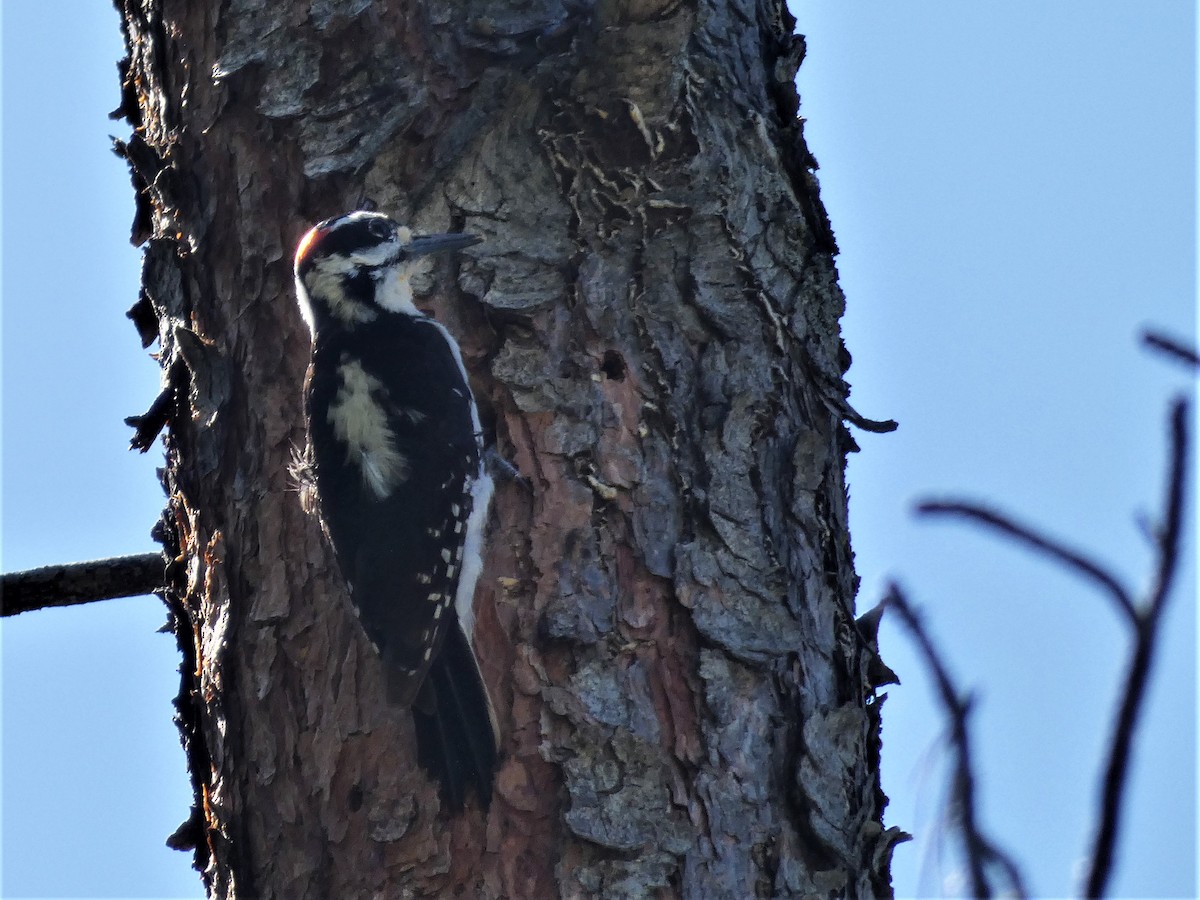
(380, 229)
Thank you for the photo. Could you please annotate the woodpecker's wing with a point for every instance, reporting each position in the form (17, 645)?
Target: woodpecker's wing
(396, 451)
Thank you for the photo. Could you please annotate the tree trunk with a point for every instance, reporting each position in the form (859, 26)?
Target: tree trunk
(666, 616)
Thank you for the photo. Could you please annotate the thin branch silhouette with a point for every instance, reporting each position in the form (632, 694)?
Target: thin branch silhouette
(1170, 347)
(979, 850)
(1149, 619)
(1143, 618)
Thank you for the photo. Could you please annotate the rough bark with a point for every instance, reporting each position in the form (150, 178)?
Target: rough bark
(666, 614)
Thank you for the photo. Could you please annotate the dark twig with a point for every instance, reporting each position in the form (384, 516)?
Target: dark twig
(979, 850)
(851, 415)
(1072, 559)
(1144, 620)
(1149, 619)
(1171, 347)
(85, 582)
(148, 425)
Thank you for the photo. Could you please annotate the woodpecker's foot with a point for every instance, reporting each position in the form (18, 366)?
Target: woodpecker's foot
(502, 470)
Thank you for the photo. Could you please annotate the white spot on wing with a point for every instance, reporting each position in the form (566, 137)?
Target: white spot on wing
(360, 422)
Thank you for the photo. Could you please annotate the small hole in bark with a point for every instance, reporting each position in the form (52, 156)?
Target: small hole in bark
(613, 365)
(356, 798)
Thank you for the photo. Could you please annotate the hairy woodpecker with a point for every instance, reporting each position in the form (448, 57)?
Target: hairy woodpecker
(396, 457)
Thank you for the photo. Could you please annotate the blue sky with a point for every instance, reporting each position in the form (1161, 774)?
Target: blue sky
(1013, 190)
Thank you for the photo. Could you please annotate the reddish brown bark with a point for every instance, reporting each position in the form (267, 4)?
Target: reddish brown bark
(666, 613)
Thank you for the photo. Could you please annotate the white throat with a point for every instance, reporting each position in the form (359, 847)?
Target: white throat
(394, 291)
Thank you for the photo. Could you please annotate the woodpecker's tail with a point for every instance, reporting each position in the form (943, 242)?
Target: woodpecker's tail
(457, 736)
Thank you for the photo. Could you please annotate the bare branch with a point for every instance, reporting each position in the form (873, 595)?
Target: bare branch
(1150, 617)
(1072, 559)
(979, 850)
(1170, 536)
(1171, 347)
(85, 582)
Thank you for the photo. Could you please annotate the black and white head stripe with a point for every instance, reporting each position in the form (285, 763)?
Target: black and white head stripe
(371, 239)
(350, 268)
(350, 236)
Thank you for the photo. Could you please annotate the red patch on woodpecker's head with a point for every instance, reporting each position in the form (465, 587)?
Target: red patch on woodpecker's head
(306, 245)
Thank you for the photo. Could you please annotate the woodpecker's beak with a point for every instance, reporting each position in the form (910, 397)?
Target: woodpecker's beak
(422, 244)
